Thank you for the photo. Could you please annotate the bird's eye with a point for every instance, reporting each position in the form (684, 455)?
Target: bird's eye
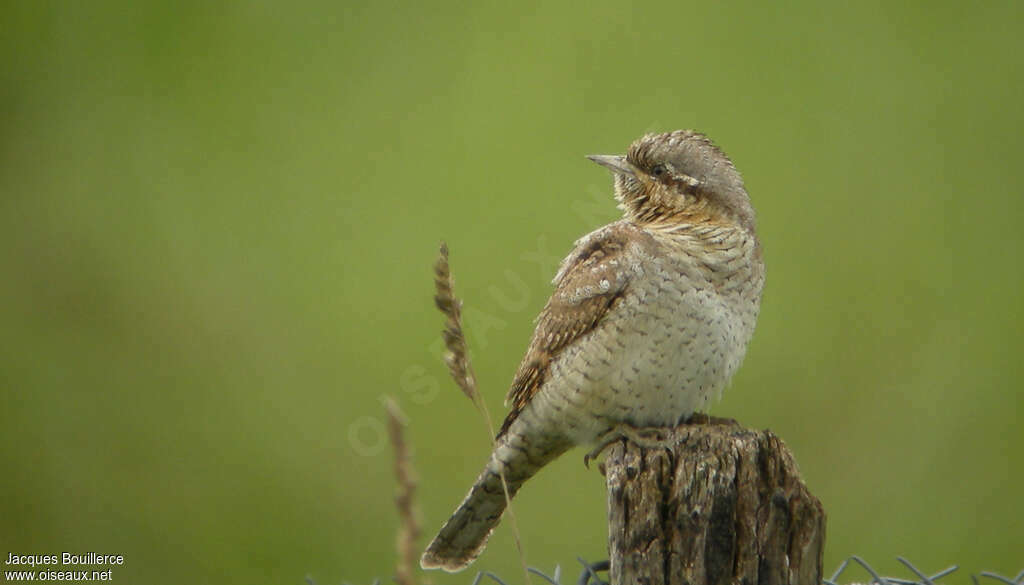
(659, 171)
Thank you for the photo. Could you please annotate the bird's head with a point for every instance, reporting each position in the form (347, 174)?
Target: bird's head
(678, 177)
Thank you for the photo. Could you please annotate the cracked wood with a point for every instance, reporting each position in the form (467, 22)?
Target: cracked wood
(717, 504)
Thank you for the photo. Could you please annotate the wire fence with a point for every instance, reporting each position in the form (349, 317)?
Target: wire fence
(919, 578)
(589, 575)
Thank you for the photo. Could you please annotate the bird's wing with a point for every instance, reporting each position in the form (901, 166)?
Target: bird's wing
(591, 279)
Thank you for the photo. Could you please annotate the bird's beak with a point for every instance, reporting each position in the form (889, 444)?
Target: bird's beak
(617, 164)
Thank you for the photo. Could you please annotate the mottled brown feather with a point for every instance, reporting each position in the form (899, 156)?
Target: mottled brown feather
(580, 300)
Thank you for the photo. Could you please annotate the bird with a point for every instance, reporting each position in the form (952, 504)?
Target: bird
(649, 319)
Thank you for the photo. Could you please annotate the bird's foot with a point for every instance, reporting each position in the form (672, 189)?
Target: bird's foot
(700, 418)
(648, 437)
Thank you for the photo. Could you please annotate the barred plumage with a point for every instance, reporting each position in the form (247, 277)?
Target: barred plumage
(650, 318)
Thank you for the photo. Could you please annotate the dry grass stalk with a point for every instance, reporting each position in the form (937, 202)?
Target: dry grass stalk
(408, 526)
(456, 357)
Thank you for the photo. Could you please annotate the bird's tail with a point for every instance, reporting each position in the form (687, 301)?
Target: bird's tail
(464, 535)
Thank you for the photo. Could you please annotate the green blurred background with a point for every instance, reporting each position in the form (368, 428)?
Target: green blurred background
(218, 220)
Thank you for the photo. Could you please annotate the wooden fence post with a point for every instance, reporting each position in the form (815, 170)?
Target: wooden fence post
(717, 504)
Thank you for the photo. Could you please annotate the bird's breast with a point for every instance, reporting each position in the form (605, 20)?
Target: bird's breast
(670, 344)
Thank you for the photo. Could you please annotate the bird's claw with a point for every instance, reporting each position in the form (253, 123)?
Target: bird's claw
(648, 437)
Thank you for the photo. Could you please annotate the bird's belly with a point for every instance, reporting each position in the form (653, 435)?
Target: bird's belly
(652, 365)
